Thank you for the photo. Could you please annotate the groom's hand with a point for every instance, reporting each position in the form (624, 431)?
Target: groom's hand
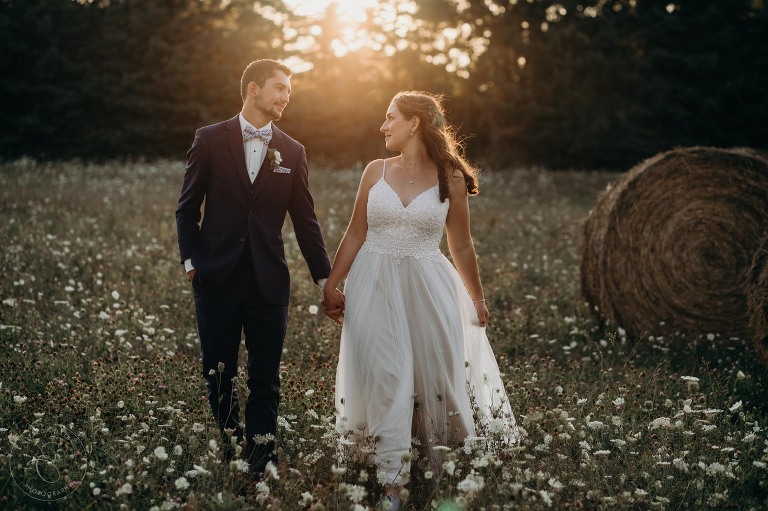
(191, 274)
(333, 304)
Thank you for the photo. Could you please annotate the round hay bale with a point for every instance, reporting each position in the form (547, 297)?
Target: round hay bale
(757, 298)
(667, 247)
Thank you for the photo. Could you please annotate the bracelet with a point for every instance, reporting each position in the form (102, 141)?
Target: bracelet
(478, 301)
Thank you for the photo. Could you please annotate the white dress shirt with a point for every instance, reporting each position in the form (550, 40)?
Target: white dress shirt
(255, 149)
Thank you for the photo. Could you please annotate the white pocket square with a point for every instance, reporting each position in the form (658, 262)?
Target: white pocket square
(282, 170)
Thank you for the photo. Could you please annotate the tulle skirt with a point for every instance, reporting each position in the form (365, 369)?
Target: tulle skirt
(414, 363)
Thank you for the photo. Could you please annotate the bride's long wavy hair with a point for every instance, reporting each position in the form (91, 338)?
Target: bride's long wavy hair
(443, 146)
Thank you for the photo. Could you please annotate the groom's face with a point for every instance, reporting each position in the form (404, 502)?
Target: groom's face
(272, 98)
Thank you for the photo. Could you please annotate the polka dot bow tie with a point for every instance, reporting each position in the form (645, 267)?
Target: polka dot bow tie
(265, 134)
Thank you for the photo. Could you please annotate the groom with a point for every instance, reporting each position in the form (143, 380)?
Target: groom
(250, 174)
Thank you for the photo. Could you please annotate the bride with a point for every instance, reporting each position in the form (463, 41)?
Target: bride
(415, 361)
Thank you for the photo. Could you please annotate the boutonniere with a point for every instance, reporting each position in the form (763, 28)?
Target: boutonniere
(274, 158)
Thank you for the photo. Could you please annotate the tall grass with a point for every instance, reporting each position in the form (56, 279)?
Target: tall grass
(99, 348)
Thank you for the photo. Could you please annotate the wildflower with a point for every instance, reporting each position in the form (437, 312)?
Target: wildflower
(97, 491)
(661, 422)
(312, 309)
(125, 489)
(602, 453)
(749, 438)
(198, 428)
(309, 392)
(306, 499)
(428, 475)
(271, 470)
(339, 471)
(115, 295)
(472, 483)
(691, 379)
(555, 484)
(736, 406)
(19, 399)
(356, 493)
(619, 401)
(120, 404)
(546, 497)
(449, 467)
(200, 470)
(177, 450)
(160, 453)
(740, 375)
(759, 464)
(239, 465)
(595, 425)
(181, 483)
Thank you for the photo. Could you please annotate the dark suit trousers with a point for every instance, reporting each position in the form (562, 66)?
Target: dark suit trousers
(221, 318)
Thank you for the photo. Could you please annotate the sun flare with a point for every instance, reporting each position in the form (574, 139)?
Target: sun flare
(347, 11)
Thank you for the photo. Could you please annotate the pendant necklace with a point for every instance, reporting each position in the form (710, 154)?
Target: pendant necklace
(413, 177)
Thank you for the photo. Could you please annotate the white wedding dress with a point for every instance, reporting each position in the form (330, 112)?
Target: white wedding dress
(412, 350)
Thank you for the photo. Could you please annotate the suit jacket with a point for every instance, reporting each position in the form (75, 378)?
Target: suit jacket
(237, 211)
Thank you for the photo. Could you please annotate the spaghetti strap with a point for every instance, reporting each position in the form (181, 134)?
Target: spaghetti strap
(384, 170)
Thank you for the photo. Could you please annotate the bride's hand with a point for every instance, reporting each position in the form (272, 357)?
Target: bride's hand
(482, 313)
(333, 304)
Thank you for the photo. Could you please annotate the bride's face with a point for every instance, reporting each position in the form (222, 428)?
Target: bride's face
(396, 129)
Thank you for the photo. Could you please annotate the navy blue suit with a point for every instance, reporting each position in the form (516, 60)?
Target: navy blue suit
(242, 284)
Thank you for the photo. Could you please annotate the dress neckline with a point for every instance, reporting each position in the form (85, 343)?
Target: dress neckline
(405, 206)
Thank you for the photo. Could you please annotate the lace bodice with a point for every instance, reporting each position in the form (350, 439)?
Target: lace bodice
(404, 231)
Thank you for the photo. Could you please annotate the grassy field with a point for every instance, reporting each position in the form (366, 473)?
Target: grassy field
(102, 402)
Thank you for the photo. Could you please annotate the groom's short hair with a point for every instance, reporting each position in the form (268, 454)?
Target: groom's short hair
(260, 71)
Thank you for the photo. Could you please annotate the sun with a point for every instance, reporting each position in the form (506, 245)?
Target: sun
(348, 11)
(349, 14)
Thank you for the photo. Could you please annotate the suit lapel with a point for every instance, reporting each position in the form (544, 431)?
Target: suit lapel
(235, 139)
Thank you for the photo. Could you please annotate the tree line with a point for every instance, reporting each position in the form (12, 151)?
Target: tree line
(566, 84)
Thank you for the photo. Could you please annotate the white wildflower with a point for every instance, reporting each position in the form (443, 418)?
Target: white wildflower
(125, 489)
(181, 483)
(356, 493)
(238, 465)
(19, 399)
(619, 401)
(115, 295)
(595, 425)
(736, 406)
(306, 499)
(661, 422)
(271, 470)
(160, 453)
(691, 379)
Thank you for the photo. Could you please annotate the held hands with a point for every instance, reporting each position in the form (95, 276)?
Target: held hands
(482, 312)
(333, 303)
(191, 274)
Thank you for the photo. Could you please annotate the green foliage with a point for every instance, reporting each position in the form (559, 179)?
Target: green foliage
(565, 85)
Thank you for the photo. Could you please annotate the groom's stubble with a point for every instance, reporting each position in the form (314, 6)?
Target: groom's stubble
(272, 111)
